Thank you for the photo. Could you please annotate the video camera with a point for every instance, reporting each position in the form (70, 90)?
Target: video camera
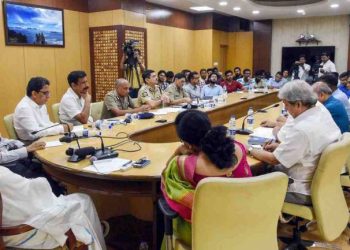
(129, 49)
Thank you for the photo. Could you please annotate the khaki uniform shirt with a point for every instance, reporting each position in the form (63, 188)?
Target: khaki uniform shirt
(112, 100)
(175, 93)
(146, 93)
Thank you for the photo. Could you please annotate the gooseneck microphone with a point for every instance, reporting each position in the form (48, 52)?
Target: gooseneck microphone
(243, 130)
(37, 131)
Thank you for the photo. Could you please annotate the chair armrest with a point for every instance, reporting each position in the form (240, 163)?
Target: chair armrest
(169, 215)
(14, 230)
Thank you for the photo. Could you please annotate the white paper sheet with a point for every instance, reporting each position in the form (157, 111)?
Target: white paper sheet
(263, 132)
(51, 144)
(110, 165)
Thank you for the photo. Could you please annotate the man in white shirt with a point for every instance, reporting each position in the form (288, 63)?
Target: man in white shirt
(192, 88)
(326, 66)
(31, 202)
(310, 131)
(303, 69)
(31, 120)
(75, 103)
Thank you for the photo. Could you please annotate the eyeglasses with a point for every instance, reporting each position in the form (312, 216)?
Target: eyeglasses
(45, 93)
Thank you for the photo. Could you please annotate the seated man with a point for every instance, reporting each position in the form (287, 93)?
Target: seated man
(343, 79)
(176, 92)
(16, 157)
(31, 202)
(193, 88)
(212, 88)
(246, 80)
(230, 84)
(309, 133)
(118, 102)
(334, 106)
(31, 120)
(150, 93)
(75, 103)
(277, 82)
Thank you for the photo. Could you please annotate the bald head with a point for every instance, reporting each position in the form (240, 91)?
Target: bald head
(122, 87)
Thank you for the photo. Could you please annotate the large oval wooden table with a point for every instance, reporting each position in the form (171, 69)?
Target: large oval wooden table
(158, 142)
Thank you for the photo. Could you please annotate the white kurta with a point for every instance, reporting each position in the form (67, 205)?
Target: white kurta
(31, 201)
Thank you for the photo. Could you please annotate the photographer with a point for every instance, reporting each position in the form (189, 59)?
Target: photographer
(132, 66)
(301, 69)
(326, 66)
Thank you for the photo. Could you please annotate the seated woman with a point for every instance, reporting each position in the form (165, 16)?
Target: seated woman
(206, 152)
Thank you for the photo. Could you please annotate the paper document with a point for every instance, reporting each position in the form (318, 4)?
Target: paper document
(263, 132)
(110, 165)
(51, 144)
(78, 128)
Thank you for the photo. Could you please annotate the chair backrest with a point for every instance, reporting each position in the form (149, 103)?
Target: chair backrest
(55, 108)
(8, 121)
(328, 199)
(240, 213)
(96, 110)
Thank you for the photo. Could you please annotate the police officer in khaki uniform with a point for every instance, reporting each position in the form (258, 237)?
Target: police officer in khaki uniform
(176, 92)
(118, 102)
(150, 92)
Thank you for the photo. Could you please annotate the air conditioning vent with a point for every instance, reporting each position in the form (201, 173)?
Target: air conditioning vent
(285, 2)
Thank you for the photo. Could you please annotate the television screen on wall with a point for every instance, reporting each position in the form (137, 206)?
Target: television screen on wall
(29, 25)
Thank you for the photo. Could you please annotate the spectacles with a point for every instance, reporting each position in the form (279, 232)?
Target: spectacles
(45, 93)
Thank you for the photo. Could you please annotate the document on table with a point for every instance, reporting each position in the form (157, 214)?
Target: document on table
(51, 144)
(263, 132)
(78, 128)
(165, 111)
(108, 165)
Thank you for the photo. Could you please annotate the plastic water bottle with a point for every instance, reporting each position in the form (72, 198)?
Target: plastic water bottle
(231, 131)
(250, 119)
(284, 110)
(250, 87)
(266, 90)
(224, 95)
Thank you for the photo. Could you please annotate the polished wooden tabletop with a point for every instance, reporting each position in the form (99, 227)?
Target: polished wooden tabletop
(157, 141)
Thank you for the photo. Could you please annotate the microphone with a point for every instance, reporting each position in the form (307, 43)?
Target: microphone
(37, 131)
(244, 131)
(79, 154)
(104, 153)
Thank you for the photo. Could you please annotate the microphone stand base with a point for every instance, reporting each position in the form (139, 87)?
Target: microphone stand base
(244, 132)
(75, 158)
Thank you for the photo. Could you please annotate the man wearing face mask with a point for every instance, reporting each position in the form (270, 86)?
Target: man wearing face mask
(75, 103)
(212, 88)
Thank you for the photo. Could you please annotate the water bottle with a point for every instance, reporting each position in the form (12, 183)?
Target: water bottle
(250, 87)
(224, 95)
(284, 110)
(266, 90)
(231, 131)
(104, 124)
(250, 119)
(135, 116)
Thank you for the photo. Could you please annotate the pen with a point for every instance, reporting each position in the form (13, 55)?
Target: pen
(127, 163)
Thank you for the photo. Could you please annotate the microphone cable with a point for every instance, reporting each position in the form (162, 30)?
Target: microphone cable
(119, 144)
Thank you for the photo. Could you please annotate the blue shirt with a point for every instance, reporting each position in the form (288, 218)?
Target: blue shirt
(345, 90)
(338, 94)
(276, 85)
(338, 112)
(211, 90)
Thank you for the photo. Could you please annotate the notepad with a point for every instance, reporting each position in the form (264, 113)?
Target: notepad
(110, 165)
(263, 132)
(51, 144)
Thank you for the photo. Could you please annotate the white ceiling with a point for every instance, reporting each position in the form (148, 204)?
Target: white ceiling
(266, 12)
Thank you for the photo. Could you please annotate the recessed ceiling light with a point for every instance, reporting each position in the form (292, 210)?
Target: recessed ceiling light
(201, 8)
(223, 3)
(237, 8)
(256, 12)
(301, 12)
(334, 5)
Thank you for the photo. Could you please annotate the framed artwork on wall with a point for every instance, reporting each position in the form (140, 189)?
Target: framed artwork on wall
(32, 25)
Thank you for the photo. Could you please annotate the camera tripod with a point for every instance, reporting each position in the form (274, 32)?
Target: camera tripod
(129, 75)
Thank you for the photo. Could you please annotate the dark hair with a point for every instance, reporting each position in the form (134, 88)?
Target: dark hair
(209, 69)
(325, 54)
(147, 74)
(161, 71)
(344, 74)
(245, 70)
(74, 76)
(330, 80)
(194, 127)
(179, 76)
(191, 75)
(279, 73)
(184, 71)
(228, 71)
(302, 56)
(237, 68)
(217, 75)
(169, 74)
(36, 84)
(202, 70)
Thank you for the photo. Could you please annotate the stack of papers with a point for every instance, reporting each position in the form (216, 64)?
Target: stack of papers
(109, 165)
(263, 132)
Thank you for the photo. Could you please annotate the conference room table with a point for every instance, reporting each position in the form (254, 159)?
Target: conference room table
(156, 141)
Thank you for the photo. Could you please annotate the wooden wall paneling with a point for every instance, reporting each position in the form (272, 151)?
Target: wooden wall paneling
(76, 5)
(262, 43)
(349, 51)
(103, 5)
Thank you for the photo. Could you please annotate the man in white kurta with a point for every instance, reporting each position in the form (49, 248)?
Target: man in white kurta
(31, 114)
(30, 201)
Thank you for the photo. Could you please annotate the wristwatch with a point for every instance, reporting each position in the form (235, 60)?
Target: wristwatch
(250, 150)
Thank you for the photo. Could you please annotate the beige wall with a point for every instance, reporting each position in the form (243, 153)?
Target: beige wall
(18, 64)
(332, 31)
